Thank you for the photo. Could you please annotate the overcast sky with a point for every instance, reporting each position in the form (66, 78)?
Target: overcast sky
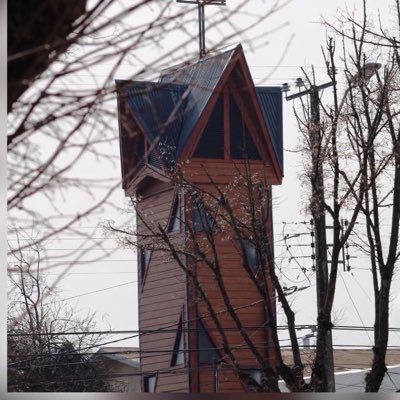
(109, 287)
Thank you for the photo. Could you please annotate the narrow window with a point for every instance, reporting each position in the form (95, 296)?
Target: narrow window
(202, 220)
(254, 373)
(251, 256)
(207, 352)
(149, 383)
(178, 357)
(145, 255)
(174, 222)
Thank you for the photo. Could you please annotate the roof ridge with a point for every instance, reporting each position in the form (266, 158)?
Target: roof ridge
(191, 62)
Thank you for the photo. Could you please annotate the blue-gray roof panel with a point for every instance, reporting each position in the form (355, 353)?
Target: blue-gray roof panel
(184, 92)
(158, 108)
(202, 79)
(270, 101)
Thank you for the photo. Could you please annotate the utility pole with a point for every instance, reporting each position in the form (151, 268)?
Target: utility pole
(202, 28)
(318, 214)
(317, 204)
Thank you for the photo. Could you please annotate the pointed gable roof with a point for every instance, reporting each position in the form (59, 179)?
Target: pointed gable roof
(202, 78)
(168, 111)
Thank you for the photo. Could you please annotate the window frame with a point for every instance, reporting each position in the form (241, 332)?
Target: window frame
(175, 217)
(201, 329)
(251, 372)
(202, 221)
(146, 383)
(179, 347)
(144, 268)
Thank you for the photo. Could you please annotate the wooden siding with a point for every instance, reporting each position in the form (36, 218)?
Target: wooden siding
(162, 296)
(199, 171)
(161, 299)
(244, 297)
(228, 381)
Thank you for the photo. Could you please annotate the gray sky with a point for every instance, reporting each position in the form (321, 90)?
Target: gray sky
(108, 287)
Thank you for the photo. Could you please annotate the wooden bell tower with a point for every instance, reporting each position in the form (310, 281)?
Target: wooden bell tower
(208, 120)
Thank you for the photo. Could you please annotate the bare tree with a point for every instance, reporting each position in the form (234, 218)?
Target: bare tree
(377, 110)
(61, 109)
(354, 171)
(216, 220)
(41, 357)
(62, 104)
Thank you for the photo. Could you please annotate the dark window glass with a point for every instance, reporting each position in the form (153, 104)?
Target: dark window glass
(254, 374)
(251, 256)
(242, 145)
(178, 357)
(211, 144)
(208, 354)
(149, 383)
(145, 255)
(174, 222)
(202, 221)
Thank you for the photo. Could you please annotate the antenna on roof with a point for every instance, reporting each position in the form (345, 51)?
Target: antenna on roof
(202, 29)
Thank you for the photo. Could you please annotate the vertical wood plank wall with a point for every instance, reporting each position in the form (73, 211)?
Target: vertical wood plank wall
(161, 300)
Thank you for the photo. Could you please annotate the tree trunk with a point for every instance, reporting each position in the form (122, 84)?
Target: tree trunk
(319, 382)
(381, 327)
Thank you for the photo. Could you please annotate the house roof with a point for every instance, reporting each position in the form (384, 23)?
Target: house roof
(168, 111)
(124, 355)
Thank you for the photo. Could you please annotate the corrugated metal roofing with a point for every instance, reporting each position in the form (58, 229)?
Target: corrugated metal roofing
(153, 104)
(202, 79)
(185, 91)
(270, 101)
(159, 109)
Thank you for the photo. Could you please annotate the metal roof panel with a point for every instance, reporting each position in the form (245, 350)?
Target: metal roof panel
(270, 101)
(201, 78)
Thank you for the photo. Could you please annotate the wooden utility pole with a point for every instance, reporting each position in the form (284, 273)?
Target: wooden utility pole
(318, 214)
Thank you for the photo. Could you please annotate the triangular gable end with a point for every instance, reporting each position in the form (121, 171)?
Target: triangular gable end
(236, 144)
(237, 81)
(202, 79)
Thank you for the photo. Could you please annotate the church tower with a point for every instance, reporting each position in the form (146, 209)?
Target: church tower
(195, 131)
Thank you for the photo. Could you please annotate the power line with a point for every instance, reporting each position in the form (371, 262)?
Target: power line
(168, 330)
(157, 352)
(93, 273)
(183, 369)
(100, 290)
(354, 305)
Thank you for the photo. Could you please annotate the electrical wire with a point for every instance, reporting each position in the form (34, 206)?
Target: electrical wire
(354, 305)
(168, 330)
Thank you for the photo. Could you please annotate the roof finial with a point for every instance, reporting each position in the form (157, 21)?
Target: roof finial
(202, 29)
